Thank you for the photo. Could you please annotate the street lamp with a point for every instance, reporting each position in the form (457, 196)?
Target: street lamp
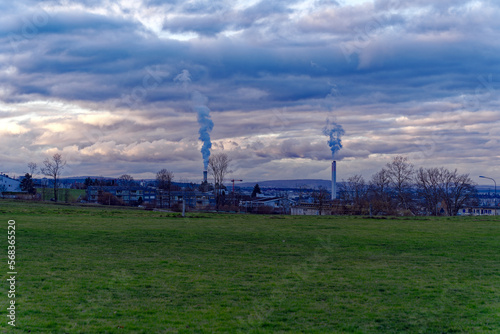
(486, 177)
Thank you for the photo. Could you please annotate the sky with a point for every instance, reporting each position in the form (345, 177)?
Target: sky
(124, 87)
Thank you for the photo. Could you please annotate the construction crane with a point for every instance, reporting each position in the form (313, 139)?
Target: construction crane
(235, 181)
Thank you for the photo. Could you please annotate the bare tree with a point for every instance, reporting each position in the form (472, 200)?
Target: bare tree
(428, 182)
(44, 189)
(442, 186)
(354, 191)
(53, 168)
(302, 192)
(320, 198)
(32, 167)
(400, 172)
(164, 180)
(456, 190)
(218, 167)
(29, 183)
(379, 192)
(126, 181)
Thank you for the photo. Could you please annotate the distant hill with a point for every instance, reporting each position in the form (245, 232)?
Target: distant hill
(283, 184)
(83, 178)
(289, 184)
(486, 189)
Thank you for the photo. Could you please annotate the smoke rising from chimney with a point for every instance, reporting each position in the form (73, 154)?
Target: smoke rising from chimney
(198, 104)
(184, 78)
(206, 125)
(334, 132)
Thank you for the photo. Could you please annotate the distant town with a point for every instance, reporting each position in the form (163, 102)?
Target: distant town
(424, 192)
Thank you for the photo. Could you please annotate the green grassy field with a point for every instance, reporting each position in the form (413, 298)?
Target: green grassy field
(108, 270)
(71, 195)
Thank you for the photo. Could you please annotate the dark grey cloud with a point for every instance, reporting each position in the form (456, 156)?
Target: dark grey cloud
(213, 17)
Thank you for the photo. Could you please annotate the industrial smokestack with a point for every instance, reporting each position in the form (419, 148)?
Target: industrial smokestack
(334, 180)
(205, 173)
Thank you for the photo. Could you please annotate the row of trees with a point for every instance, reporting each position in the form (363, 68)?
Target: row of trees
(400, 188)
(218, 167)
(124, 180)
(52, 167)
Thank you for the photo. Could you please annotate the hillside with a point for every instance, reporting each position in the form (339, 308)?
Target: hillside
(290, 184)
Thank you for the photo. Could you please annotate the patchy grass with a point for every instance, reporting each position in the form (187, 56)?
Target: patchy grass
(64, 195)
(109, 270)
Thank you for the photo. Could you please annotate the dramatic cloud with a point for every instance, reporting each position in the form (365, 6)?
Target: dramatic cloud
(95, 81)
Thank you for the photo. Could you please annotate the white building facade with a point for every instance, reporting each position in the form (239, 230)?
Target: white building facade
(480, 211)
(8, 184)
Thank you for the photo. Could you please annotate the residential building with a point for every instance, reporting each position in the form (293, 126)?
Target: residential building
(480, 211)
(128, 195)
(192, 199)
(8, 184)
(136, 195)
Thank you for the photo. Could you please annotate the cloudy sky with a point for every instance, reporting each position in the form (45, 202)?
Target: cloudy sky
(115, 86)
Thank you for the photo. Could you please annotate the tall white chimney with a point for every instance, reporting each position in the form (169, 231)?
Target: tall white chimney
(334, 180)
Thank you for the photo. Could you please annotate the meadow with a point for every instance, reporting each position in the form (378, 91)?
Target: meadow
(117, 270)
(65, 195)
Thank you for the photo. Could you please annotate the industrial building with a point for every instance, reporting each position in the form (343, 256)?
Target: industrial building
(305, 209)
(276, 204)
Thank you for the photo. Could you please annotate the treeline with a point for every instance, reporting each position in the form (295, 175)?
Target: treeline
(401, 188)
